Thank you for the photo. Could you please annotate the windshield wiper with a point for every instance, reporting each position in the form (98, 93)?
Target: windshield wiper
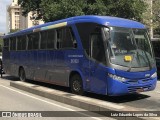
(130, 65)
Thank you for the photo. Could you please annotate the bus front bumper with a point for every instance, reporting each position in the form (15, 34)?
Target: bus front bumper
(116, 88)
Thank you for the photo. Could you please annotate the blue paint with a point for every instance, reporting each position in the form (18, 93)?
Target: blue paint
(56, 65)
(104, 20)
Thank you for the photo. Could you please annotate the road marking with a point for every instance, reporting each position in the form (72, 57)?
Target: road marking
(49, 102)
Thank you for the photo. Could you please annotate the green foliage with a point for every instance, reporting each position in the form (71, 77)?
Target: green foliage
(50, 10)
(132, 9)
(154, 19)
(156, 16)
(31, 5)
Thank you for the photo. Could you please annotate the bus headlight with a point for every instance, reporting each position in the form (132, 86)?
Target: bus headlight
(154, 75)
(115, 77)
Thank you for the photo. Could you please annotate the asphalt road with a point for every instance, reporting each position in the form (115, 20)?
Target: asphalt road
(12, 99)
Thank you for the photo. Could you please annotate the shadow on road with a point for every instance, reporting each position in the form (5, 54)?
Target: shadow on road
(118, 99)
(114, 99)
(7, 77)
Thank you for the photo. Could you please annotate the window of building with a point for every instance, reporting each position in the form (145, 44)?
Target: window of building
(16, 13)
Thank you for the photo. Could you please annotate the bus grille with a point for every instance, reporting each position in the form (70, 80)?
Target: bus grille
(135, 89)
(137, 81)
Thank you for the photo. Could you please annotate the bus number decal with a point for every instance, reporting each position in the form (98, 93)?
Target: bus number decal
(74, 61)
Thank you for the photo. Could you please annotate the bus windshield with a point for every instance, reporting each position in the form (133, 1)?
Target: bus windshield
(130, 47)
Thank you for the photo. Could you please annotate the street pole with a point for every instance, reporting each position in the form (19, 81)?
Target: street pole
(151, 25)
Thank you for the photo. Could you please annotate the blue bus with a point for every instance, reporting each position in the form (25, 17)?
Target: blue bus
(100, 54)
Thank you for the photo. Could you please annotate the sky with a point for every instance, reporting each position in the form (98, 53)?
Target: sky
(3, 13)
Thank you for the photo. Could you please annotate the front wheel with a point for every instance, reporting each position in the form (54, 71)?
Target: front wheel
(22, 75)
(76, 85)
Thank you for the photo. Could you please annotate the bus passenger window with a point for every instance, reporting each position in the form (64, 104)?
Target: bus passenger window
(13, 43)
(84, 30)
(97, 47)
(59, 38)
(6, 44)
(44, 35)
(33, 41)
(68, 40)
(21, 43)
(52, 36)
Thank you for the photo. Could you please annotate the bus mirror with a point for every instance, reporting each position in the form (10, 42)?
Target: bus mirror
(127, 58)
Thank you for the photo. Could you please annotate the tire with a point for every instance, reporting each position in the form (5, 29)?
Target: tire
(22, 75)
(76, 85)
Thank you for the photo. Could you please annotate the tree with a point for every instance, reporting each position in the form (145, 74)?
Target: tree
(156, 16)
(131, 9)
(50, 10)
(31, 5)
(151, 16)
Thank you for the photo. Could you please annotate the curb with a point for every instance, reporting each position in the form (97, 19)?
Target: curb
(89, 104)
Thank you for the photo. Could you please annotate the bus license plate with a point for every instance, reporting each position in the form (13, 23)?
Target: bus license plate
(140, 90)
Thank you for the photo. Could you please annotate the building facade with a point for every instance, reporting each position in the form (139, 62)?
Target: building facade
(17, 21)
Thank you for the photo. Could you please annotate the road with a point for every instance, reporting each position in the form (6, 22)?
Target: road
(12, 99)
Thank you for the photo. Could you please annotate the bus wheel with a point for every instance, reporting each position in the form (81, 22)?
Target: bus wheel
(22, 75)
(76, 85)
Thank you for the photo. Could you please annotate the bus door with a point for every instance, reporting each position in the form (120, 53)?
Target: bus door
(97, 62)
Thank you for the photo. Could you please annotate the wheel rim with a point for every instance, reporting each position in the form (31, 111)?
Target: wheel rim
(76, 85)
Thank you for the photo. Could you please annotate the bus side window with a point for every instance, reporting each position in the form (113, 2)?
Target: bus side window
(33, 41)
(65, 38)
(30, 42)
(84, 30)
(73, 38)
(59, 38)
(97, 48)
(21, 43)
(13, 43)
(68, 38)
(43, 43)
(52, 35)
(6, 44)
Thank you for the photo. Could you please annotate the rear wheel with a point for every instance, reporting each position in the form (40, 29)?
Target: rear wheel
(22, 75)
(76, 84)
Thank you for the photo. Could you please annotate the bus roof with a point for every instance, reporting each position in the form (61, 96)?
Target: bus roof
(104, 20)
